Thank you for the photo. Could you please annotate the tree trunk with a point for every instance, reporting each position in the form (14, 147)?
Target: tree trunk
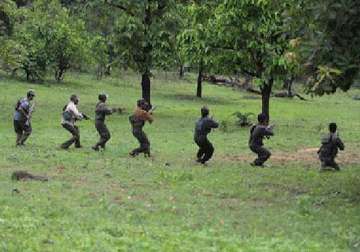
(289, 87)
(199, 80)
(265, 96)
(145, 86)
(288, 83)
(181, 71)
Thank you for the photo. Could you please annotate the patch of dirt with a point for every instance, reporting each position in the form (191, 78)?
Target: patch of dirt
(60, 169)
(306, 156)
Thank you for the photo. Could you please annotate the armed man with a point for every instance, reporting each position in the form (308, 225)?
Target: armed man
(202, 128)
(101, 111)
(22, 118)
(69, 117)
(257, 134)
(330, 145)
(142, 114)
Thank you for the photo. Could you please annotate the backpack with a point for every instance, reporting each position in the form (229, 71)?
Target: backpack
(67, 116)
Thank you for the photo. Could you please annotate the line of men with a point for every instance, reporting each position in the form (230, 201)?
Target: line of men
(330, 144)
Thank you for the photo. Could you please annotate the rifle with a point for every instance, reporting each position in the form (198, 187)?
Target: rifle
(86, 117)
(270, 127)
(152, 109)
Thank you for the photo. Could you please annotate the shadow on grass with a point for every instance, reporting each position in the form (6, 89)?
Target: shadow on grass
(193, 98)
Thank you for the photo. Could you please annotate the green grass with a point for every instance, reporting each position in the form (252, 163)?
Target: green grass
(109, 202)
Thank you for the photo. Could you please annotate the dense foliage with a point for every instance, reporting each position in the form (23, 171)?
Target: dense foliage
(267, 41)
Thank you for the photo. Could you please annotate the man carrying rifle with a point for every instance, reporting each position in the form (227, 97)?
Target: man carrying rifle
(202, 128)
(330, 146)
(22, 118)
(101, 111)
(69, 117)
(257, 134)
(142, 114)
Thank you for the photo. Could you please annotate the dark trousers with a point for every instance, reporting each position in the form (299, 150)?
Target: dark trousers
(263, 154)
(104, 134)
(206, 149)
(144, 143)
(75, 132)
(23, 131)
(329, 162)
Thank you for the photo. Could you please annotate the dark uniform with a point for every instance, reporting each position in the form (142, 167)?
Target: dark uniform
(137, 121)
(257, 135)
(202, 129)
(22, 123)
(101, 112)
(329, 150)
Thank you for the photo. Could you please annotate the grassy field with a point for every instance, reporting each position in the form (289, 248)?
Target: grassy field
(109, 202)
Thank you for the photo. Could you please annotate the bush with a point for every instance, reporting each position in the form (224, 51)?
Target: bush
(243, 119)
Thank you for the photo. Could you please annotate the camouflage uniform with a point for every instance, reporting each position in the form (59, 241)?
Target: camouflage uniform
(101, 112)
(22, 123)
(329, 150)
(202, 128)
(137, 121)
(256, 145)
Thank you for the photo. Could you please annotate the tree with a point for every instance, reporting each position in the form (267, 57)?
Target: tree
(11, 52)
(139, 31)
(51, 38)
(194, 40)
(252, 39)
(331, 44)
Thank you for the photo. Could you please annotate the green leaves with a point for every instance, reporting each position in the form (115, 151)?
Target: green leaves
(50, 38)
(331, 48)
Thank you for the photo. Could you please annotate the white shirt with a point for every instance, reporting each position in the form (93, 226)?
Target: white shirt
(76, 115)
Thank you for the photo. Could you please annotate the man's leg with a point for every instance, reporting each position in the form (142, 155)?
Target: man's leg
(19, 132)
(73, 132)
(144, 144)
(201, 152)
(26, 134)
(264, 155)
(136, 151)
(327, 163)
(77, 137)
(209, 151)
(333, 164)
(104, 135)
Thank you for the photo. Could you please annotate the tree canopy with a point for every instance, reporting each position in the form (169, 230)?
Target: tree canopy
(268, 41)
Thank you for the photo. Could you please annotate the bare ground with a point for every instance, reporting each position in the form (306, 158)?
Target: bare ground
(304, 156)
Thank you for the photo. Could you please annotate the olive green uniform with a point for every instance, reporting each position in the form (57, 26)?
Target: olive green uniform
(101, 112)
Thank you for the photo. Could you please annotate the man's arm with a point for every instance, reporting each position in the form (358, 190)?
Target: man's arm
(268, 131)
(213, 124)
(73, 109)
(104, 109)
(340, 144)
(24, 109)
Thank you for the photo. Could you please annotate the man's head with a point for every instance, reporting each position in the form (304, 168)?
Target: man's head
(103, 97)
(262, 118)
(332, 127)
(205, 111)
(74, 98)
(30, 94)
